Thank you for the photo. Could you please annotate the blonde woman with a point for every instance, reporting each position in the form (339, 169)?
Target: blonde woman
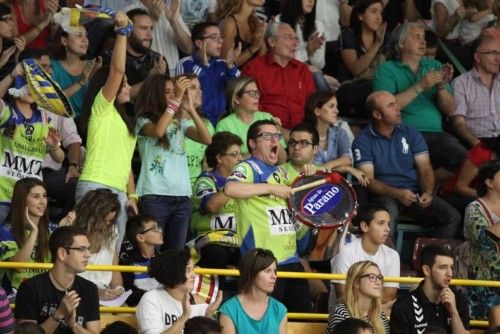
(362, 299)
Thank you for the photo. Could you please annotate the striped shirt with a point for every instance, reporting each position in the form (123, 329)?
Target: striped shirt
(6, 318)
(340, 312)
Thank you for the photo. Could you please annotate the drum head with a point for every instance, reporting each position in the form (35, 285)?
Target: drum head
(325, 206)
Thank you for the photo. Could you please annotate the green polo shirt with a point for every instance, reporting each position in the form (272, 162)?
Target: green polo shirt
(395, 77)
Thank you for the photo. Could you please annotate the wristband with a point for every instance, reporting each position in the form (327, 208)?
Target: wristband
(418, 89)
(172, 107)
(133, 196)
(124, 31)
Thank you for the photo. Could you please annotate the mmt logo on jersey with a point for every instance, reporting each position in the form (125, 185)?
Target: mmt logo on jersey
(280, 220)
(18, 166)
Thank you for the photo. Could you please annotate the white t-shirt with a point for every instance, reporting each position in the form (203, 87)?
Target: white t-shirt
(327, 11)
(451, 6)
(386, 258)
(157, 311)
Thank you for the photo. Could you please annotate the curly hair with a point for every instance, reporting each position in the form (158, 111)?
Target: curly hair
(221, 142)
(91, 214)
(169, 268)
(17, 214)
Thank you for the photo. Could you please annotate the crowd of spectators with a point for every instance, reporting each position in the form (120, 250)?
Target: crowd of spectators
(187, 122)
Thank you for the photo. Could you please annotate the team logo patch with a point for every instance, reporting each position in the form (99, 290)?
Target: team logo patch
(276, 177)
(239, 172)
(321, 200)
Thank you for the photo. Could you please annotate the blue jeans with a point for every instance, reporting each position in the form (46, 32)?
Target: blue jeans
(173, 214)
(84, 187)
(447, 217)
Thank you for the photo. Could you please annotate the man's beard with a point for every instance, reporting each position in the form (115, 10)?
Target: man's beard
(137, 46)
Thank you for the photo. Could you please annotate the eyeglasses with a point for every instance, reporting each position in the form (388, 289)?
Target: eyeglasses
(252, 92)
(302, 143)
(233, 154)
(81, 249)
(290, 37)
(214, 37)
(491, 52)
(373, 278)
(154, 229)
(270, 135)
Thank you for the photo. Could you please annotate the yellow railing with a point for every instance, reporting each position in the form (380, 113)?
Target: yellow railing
(233, 272)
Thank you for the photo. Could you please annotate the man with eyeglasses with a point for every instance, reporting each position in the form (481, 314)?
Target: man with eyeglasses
(212, 71)
(284, 82)
(260, 190)
(302, 147)
(59, 300)
(434, 302)
(477, 94)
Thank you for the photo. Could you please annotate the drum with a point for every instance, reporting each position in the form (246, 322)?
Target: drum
(322, 201)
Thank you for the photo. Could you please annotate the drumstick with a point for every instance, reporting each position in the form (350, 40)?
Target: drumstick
(332, 177)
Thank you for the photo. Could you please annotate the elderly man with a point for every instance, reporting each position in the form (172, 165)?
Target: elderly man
(477, 94)
(422, 90)
(284, 82)
(395, 159)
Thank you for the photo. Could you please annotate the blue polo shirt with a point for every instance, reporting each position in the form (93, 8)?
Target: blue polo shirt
(393, 159)
(395, 77)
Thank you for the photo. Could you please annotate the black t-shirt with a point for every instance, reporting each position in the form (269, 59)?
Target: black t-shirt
(411, 314)
(38, 298)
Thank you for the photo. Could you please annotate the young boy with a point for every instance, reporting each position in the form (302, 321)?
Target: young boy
(143, 237)
(373, 222)
(213, 72)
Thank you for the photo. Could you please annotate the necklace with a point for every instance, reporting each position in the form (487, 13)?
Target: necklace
(322, 138)
(60, 285)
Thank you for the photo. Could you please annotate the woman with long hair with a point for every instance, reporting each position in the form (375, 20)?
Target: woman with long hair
(70, 68)
(24, 237)
(252, 310)
(362, 299)
(96, 214)
(361, 52)
(167, 308)
(243, 96)
(239, 24)
(214, 211)
(334, 151)
(110, 131)
(163, 123)
(481, 231)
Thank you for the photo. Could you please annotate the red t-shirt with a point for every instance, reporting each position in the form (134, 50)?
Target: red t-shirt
(22, 27)
(477, 155)
(284, 89)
